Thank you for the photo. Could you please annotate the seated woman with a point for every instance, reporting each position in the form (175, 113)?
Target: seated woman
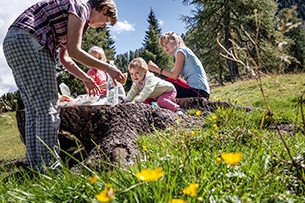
(187, 65)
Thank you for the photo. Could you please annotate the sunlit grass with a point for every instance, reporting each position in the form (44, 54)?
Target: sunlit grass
(242, 160)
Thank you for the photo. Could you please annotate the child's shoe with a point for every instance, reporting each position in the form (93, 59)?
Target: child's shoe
(180, 112)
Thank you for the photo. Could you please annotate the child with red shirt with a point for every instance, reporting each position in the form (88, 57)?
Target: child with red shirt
(99, 76)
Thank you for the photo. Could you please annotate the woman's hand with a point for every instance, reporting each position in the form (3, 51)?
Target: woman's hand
(115, 74)
(153, 67)
(91, 87)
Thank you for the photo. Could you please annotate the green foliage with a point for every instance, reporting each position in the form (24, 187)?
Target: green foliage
(289, 4)
(294, 46)
(257, 19)
(152, 49)
(10, 102)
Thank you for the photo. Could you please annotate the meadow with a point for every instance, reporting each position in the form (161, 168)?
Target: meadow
(232, 155)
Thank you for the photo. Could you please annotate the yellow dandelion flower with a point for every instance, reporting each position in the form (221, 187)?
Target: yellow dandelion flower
(232, 158)
(177, 201)
(108, 185)
(105, 195)
(218, 99)
(147, 175)
(215, 126)
(214, 117)
(92, 179)
(145, 148)
(218, 160)
(193, 132)
(178, 120)
(198, 113)
(191, 189)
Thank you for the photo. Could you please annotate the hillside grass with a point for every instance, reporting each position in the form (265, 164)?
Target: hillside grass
(11, 145)
(193, 168)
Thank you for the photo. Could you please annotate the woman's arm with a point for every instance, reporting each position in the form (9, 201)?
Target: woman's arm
(175, 72)
(74, 42)
(71, 66)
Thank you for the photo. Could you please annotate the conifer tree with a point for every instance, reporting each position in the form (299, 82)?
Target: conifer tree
(152, 49)
(229, 20)
(290, 3)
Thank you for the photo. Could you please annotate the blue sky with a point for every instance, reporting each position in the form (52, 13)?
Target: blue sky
(128, 33)
(133, 14)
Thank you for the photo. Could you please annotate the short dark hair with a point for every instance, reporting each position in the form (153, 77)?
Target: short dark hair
(112, 11)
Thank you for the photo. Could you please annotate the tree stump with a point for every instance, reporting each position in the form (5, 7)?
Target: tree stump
(108, 133)
(105, 132)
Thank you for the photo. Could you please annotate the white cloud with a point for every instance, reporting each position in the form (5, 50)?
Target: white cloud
(122, 26)
(8, 13)
(161, 22)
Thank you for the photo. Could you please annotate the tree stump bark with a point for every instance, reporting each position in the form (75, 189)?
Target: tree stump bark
(108, 133)
(105, 132)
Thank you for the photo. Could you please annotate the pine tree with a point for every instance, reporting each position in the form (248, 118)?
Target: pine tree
(228, 21)
(290, 3)
(152, 49)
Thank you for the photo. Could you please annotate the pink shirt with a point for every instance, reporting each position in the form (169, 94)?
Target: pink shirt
(100, 78)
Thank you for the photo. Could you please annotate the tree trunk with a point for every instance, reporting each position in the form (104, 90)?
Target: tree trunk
(232, 65)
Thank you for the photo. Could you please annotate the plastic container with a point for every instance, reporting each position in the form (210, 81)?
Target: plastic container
(64, 89)
(112, 92)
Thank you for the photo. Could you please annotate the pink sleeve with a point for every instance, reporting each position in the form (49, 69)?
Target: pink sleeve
(92, 72)
(103, 77)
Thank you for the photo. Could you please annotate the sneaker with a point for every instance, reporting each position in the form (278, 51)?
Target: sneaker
(180, 112)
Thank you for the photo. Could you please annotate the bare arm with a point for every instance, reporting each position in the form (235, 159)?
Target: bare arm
(74, 50)
(71, 66)
(175, 72)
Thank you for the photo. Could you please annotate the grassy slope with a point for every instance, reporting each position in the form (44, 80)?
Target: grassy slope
(11, 145)
(188, 155)
(280, 90)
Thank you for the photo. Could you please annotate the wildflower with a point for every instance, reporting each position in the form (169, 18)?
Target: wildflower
(92, 179)
(200, 199)
(215, 126)
(255, 11)
(193, 132)
(108, 185)
(145, 148)
(214, 117)
(218, 99)
(235, 100)
(232, 158)
(178, 120)
(150, 175)
(191, 189)
(105, 195)
(177, 201)
(218, 159)
(198, 113)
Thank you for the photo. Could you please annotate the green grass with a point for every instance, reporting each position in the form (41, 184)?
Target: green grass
(189, 155)
(10, 142)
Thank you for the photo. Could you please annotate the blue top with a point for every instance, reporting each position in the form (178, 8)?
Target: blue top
(193, 71)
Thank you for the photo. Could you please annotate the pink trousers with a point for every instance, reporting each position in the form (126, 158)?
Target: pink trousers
(165, 100)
